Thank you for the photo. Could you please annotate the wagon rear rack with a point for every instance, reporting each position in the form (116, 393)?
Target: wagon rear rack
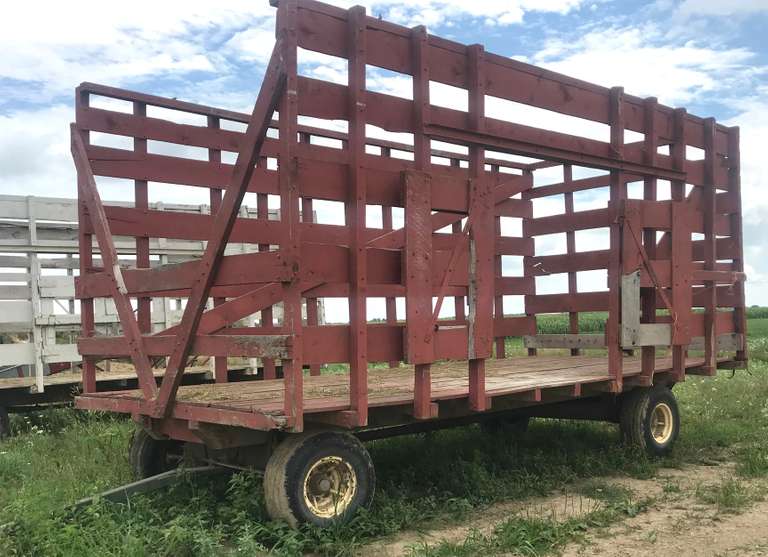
(673, 266)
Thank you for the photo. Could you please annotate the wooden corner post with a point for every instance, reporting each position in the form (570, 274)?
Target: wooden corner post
(482, 239)
(419, 345)
(618, 192)
(355, 213)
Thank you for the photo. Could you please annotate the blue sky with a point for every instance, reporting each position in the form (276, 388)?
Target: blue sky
(710, 56)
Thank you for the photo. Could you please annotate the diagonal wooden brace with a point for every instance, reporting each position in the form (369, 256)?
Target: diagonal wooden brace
(90, 195)
(233, 310)
(250, 148)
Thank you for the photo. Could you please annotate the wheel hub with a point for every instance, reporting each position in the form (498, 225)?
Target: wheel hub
(662, 423)
(329, 487)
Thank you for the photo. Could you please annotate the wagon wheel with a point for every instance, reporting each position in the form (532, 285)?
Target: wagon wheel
(149, 456)
(650, 419)
(318, 478)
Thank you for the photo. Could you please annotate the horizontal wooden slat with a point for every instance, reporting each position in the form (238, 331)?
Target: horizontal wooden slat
(514, 285)
(565, 263)
(564, 341)
(508, 245)
(505, 78)
(581, 220)
(515, 208)
(513, 326)
(560, 303)
(277, 346)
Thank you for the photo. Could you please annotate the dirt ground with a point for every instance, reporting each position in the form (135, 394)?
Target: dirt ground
(676, 524)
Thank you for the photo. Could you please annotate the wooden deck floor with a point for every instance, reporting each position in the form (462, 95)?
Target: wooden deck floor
(390, 387)
(22, 392)
(75, 379)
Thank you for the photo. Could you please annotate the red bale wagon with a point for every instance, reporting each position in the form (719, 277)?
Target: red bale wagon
(672, 257)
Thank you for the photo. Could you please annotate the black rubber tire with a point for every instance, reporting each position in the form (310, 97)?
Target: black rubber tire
(149, 456)
(635, 420)
(290, 463)
(515, 426)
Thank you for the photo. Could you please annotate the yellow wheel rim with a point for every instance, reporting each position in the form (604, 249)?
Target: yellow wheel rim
(662, 423)
(329, 487)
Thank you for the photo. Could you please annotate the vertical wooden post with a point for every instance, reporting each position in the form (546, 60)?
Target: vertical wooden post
(355, 217)
(85, 250)
(734, 192)
(570, 248)
(710, 252)
(648, 295)
(308, 216)
(678, 194)
(481, 241)
(390, 302)
(618, 192)
(418, 287)
(290, 245)
(141, 200)
(418, 233)
(458, 301)
(528, 270)
(498, 301)
(38, 339)
(267, 316)
(220, 365)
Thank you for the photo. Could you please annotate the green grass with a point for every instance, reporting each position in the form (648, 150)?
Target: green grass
(536, 535)
(729, 496)
(445, 477)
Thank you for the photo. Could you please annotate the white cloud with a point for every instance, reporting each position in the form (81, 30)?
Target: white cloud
(34, 153)
(720, 8)
(639, 59)
(753, 124)
(491, 12)
(60, 44)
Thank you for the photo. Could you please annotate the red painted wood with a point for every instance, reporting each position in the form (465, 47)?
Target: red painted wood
(262, 213)
(709, 215)
(220, 365)
(418, 269)
(618, 192)
(679, 246)
(290, 245)
(648, 295)
(507, 78)
(90, 196)
(85, 249)
(203, 345)
(418, 240)
(390, 302)
(737, 253)
(274, 83)
(570, 241)
(141, 201)
(438, 189)
(356, 215)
